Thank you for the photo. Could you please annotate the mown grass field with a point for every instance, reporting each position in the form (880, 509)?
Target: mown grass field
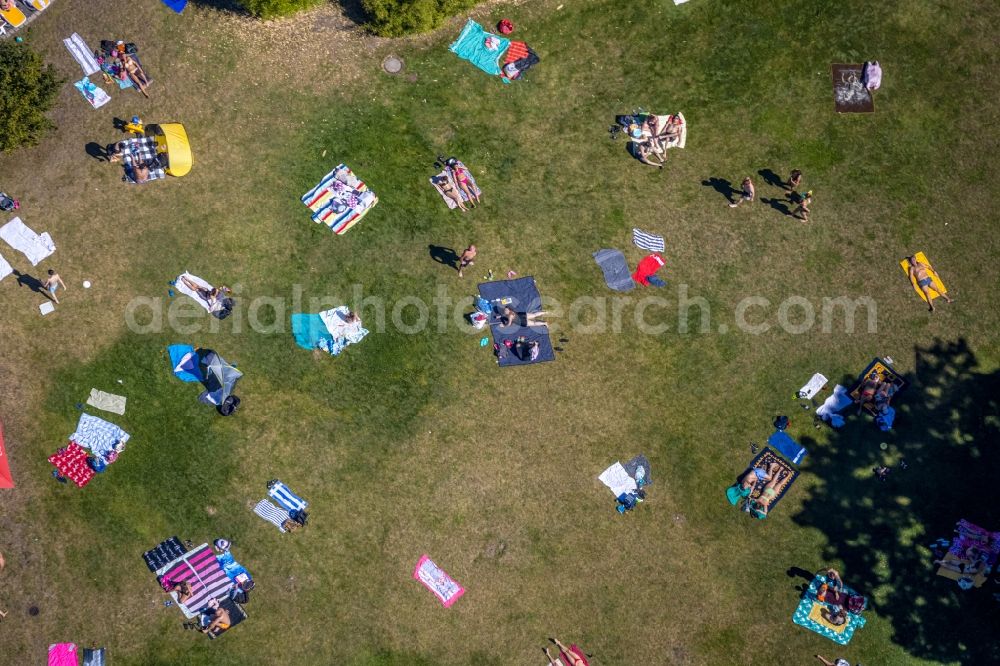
(413, 443)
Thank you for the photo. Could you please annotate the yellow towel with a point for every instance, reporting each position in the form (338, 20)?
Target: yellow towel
(937, 287)
(815, 616)
(14, 16)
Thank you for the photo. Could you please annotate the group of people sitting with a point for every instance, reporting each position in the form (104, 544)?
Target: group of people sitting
(457, 182)
(651, 135)
(875, 392)
(771, 477)
(138, 171)
(118, 59)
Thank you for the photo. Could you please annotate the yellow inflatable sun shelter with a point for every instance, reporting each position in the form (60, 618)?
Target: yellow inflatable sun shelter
(172, 141)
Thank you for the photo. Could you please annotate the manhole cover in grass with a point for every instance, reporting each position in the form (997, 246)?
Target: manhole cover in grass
(392, 65)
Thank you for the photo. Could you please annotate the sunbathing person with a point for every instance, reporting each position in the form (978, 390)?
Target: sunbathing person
(870, 387)
(527, 319)
(460, 174)
(140, 172)
(449, 191)
(211, 295)
(570, 656)
(836, 616)
(646, 149)
(834, 580)
(183, 591)
(920, 273)
(135, 73)
(115, 151)
(760, 506)
(742, 488)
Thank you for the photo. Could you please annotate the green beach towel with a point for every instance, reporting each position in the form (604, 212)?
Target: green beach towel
(735, 493)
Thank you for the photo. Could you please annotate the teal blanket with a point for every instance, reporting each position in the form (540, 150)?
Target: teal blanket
(309, 331)
(471, 46)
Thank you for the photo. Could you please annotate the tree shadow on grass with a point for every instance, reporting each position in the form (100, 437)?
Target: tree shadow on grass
(722, 186)
(948, 429)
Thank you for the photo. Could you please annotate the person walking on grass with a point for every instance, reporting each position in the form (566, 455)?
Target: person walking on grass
(804, 201)
(747, 192)
(794, 180)
(53, 282)
(466, 259)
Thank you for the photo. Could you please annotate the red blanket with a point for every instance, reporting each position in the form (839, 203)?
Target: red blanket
(72, 463)
(647, 267)
(516, 51)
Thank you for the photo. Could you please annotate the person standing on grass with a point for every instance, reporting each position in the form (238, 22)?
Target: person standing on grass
(802, 210)
(794, 180)
(466, 259)
(747, 193)
(53, 282)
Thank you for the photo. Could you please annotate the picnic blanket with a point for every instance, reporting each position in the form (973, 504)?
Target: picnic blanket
(615, 269)
(481, 48)
(5, 268)
(808, 615)
(92, 92)
(647, 267)
(937, 286)
(82, 53)
(71, 462)
(446, 174)
(849, 92)
(519, 59)
(141, 150)
(437, 581)
(522, 296)
(33, 246)
(310, 332)
(63, 654)
(617, 478)
(272, 514)
(788, 447)
(764, 460)
(109, 402)
(340, 200)
(882, 370)
(648, 241)
(202, 572)
(634, 466)
(340, 332)
(98, 435)
(286, 498)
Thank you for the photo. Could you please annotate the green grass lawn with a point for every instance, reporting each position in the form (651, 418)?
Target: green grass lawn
(413, 443)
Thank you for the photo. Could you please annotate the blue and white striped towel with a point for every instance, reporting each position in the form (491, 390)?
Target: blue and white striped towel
(286, 498)
(271, 514)
(650, 242)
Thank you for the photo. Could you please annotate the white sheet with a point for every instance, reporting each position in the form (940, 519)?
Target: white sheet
(836, 402)
(26, 241)
(5, 268)
(338, 326)
(109, 402)
(617, 479)
(82, 54)
(813, 386)
(183, 288)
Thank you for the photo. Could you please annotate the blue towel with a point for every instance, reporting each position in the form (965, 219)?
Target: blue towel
(286, 498)
(176, 5)
(787, 447)
(471, 46)
(309, 330)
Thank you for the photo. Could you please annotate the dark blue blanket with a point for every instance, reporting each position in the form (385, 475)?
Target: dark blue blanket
(522, 296)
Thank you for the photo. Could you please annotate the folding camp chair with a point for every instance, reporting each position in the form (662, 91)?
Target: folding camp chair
(14, 16)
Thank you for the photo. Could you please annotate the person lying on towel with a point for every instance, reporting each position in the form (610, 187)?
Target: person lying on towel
(759, 507)
(919, 273)
(877, 392)
(745, 486)
(210, 296)
(510, 318)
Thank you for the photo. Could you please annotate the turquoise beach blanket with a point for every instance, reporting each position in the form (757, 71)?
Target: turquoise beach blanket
(471, 46)
(309, 330)
(802, 617)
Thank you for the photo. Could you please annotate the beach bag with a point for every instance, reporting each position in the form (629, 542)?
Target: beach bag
(505, 27)
(225, 308)
(871, 75)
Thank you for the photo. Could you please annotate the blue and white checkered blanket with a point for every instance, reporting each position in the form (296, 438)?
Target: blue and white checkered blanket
(98, 435)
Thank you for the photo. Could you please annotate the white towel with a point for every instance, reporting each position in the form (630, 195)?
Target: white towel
(813, 386)
(82, 54)
(648, 241)
(617, 479)
(109, 402)
(836, 402)
(23, 239)
(5, 268)
(183, 288)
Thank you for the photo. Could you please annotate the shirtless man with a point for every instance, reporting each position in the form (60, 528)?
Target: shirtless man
(920, 273)
(466, 259)
(220, 621)
(53, 282)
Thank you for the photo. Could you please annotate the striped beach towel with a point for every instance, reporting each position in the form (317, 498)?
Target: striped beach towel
(271, 514)
(340, 200)
(646, 241)
(286, 498)
(201, 570)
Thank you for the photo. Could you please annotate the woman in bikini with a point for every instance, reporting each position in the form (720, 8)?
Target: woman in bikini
(449, 191)
(460, 174)
(745, 486)
(135, 73)
(760, 506)
(920, 273)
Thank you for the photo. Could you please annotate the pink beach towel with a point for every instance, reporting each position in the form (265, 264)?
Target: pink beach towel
(63, 654)
(437, 581)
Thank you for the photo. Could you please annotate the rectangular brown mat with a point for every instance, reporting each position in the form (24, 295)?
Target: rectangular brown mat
(849, 93)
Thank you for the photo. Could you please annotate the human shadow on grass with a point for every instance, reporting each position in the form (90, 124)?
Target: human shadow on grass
(780, 205)
(947, 429)
(772, 179)
(722, 186)
(96, 151)
(444, 255)
(29, 281)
